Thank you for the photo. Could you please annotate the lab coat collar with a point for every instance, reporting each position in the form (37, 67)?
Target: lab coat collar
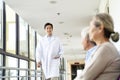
(52, 37)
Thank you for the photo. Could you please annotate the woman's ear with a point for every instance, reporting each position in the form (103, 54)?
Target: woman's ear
(99, 25)
(101, 28)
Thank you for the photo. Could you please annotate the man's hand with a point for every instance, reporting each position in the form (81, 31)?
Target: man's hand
(38, 64)
(56, 57)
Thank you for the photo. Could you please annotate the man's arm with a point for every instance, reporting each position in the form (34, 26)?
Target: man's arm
(60, 51)
(38, 56)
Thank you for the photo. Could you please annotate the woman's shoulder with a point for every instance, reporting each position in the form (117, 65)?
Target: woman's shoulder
(108, 47)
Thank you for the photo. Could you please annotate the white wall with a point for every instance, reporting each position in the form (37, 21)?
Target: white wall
(114, 6)
(114, 11)
(103, 5)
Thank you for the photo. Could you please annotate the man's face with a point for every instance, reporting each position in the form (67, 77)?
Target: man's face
(85, 43)
(49, 29)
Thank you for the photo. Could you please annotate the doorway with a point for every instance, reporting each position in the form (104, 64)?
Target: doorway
(74, 68)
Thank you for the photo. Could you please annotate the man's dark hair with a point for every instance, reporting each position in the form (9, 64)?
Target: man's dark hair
(47, 25)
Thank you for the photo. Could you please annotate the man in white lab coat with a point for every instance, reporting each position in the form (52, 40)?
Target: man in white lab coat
(48, 52)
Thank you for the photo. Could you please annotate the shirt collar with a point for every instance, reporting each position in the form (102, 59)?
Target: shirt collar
(52, 37)
(91, 49)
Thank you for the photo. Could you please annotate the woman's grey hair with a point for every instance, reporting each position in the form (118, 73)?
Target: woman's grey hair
(85, 34)
(107, 21)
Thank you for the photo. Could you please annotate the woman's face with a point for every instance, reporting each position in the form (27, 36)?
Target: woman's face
(93, 31)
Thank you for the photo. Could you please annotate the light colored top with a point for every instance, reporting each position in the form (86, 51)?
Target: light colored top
(104, 64)
(89, 53)
(49, 38)
(47, 49)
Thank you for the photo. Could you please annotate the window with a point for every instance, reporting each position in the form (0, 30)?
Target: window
(23, 73)
(1, 61)
(32, 66)
(39, 69)
(32, 43)
(10, 30)
(13, 63)
(1, 24)
(38, 38)
(23, 38)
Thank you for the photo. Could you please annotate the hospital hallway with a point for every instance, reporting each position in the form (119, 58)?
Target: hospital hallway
(22, 27)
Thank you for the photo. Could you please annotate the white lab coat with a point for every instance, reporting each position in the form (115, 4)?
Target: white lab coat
(45, 52)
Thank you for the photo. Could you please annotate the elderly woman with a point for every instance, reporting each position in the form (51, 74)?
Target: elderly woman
(105, 61)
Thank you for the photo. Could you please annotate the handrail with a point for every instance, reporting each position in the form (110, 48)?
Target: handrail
(38, 72)
(13, 68)
(19, 76)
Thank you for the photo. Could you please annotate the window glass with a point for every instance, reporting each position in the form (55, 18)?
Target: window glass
(10, 30)
(23, 73)
(39, 69)
(1, 61)
(38, 38)
(1, 24)
(11, 63)
(23, 38)
(32, 43)
(32, 67)
(1, 35)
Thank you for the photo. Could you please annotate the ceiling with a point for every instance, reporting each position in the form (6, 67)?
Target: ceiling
(67, 16)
